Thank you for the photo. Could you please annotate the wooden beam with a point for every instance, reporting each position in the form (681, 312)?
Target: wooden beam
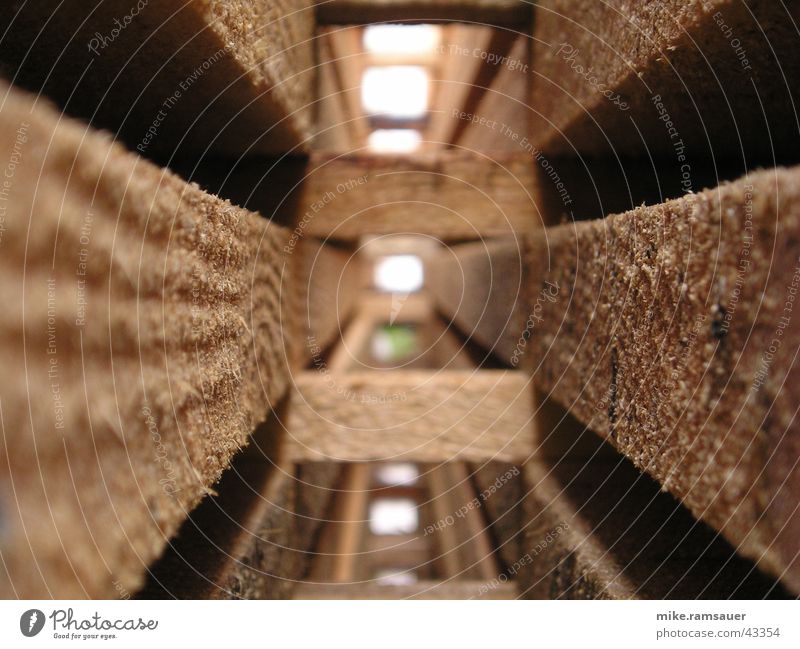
(484, 12)
(500, 45)
(396, 552)
(474, 545)
(340, 553)
(341, 539)
(410, 415)
(504, 105)
(504, 488)
(178, 76)
(328, 279)
(442, 510)
(684, 80)
(448, 195)
(333, 128)
(598, 529)
(421, 590)
(347, 55)
(251, 540)
(142, 341)
(480, 288)
(672, 334)
(458, 72)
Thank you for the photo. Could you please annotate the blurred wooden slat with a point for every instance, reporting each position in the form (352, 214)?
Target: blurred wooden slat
(480, 288)
(414, 415)
(694, 82)
(448, 195)
(177, 77)
(328, 281)
(504, 105)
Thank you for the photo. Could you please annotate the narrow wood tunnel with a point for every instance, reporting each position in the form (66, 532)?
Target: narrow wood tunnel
(409, 299)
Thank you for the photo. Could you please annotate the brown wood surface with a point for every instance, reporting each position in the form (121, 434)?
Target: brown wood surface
(447, 195)
(424, 416)
(142, 341)
(232, 77)
(673, 336)
(492, 12)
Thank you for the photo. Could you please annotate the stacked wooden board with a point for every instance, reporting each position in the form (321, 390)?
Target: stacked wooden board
(448, 195)
(596, 528)
(172, 77)
(673, 336)
(702, 79)
(143, 340)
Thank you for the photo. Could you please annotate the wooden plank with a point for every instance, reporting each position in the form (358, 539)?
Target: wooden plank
(339, 554)
(346, 53)
(328, 279)
(501, 490)
(486, 12)
(449, 195)
(251, 540)
(459, 72)
(479, 287)
(598, 529)
(504, 105)
(332, 127)
(421, 590)
(684, 80)
(231, 77)
(142, 342)
(341, 539)
(475, 546)
(446, 559)
(672, 335)
(396, 552)
(410, 415)
(341, 123)
(500, 48)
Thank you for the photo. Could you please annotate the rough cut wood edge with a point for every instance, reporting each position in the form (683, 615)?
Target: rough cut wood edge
(413, 415)
(714, 64)
(447, 195)
(601, 530)
(479, 287)
(252, 541)
(660, 339)
(142, 342)
(243, 70)
(489, 12)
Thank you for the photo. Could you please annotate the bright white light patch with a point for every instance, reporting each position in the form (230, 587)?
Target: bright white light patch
(394, 140)
(398, 91)
(389, 577)
(401, 39)
(397, 473)
(393, 516)
(399, 274)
